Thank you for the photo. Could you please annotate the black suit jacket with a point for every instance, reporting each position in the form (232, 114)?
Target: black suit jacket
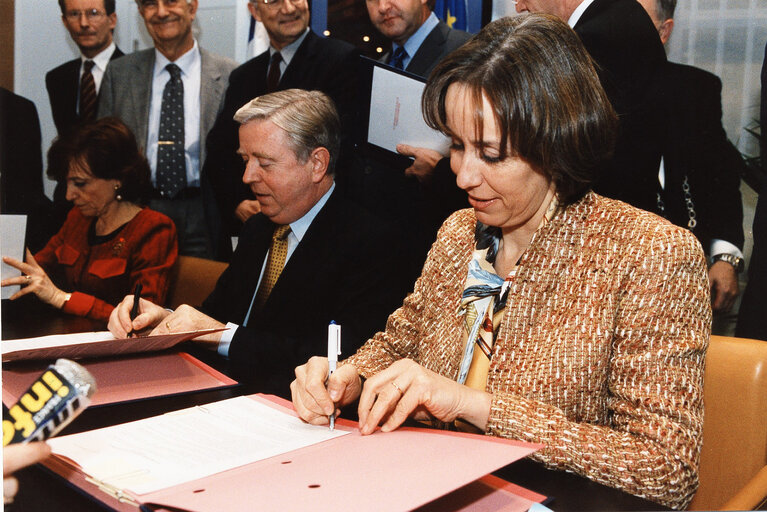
(323, 64)
(620, 37)
(752, 320)
(696, 147)
(21, 168)
(63, 83)
(346, 268)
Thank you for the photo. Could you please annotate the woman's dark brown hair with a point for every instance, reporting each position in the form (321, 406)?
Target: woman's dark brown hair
(547, 100)
(108, 149)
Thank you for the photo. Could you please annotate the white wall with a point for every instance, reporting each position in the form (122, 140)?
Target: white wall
(42, 43)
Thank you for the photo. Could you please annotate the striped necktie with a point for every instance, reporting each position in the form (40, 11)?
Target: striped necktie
(87, 93)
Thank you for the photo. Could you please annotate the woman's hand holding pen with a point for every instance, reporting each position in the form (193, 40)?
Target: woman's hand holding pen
(313, 400)
(34, 280)
(405, 389)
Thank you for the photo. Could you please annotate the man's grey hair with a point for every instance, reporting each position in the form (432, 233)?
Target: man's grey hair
(309, 118)
(664, 9)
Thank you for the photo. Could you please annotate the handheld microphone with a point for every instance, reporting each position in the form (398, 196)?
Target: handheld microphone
(53, 400)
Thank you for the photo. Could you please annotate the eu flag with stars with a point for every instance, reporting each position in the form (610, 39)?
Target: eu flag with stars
(452, 12)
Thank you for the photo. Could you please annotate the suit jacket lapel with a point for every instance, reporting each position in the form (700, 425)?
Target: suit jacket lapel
(294, 73)
(212, 89)
(429, 50)
(302, 265)
(141, 94)
(71, 88)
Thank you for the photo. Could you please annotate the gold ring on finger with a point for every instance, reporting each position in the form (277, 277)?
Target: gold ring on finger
(397, 387)
(167, 325)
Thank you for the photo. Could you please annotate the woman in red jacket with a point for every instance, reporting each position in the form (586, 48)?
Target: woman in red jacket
(109, 242)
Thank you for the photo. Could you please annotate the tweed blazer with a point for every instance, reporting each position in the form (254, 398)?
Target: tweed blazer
(600, 353)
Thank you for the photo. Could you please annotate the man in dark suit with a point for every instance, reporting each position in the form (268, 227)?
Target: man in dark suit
(90, 24)
(700, 169)
(21, 168)
(419, 41)
(142, 88)
(620, 37)
(306, 61)
(307, 258)
(418, 194)
(752, 320)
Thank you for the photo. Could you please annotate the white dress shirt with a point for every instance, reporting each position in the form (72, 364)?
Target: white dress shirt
(578, 12)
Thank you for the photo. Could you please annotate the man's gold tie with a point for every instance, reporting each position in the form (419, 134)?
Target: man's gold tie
(274, 264)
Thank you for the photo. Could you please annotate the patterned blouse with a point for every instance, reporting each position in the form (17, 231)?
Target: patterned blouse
(600, 352)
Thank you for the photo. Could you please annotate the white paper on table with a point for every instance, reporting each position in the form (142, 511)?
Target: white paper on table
(395, 114)
(12, 229)
(160, 452)
(90, 344)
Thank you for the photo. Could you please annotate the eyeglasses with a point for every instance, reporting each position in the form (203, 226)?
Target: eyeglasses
(275, 4)
(91, 14)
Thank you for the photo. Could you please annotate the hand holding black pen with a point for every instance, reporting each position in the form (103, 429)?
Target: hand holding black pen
(134, 310)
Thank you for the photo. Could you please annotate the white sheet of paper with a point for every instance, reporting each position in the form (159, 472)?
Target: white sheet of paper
(12, 229)
(395, 114)
(163, 451)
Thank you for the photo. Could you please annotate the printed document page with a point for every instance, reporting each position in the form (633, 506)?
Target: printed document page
(395, 114)
(164, 451)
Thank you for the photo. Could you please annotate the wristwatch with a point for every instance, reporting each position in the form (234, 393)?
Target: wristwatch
(731, 259)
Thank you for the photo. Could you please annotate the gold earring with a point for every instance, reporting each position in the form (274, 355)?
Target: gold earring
(118, 196)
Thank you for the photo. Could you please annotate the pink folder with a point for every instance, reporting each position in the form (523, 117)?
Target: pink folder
(394, 471)
(126, 378)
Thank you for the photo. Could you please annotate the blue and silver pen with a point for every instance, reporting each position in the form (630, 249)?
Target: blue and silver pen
(334, 350)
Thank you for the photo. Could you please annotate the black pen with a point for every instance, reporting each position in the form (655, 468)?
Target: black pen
(134, 310)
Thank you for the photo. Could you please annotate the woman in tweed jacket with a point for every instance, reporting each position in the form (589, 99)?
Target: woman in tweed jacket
(592, 316)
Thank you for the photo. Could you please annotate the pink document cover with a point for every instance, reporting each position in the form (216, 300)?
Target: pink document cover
(126, 378)
(394, 471)
(104, 348)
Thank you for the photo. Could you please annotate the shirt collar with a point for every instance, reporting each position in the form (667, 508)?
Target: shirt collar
(414, 42)
(186, 62)
(301, 226)
(290, 50)
(578, 12)
(101, 60)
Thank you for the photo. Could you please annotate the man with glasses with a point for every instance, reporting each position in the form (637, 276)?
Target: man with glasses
(169, 96)
(296, 58)
(73, 87)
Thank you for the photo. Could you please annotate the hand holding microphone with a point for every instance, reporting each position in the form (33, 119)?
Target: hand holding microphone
(53, 400)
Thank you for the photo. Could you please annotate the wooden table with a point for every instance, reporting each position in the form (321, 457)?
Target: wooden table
(44, 491)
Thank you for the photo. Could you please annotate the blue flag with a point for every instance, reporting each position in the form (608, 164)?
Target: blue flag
(452, 12)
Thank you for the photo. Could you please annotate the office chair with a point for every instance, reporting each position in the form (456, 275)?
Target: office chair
(192, 280)
(733, 462)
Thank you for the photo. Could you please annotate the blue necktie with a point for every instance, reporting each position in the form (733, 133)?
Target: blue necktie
(398, 57)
